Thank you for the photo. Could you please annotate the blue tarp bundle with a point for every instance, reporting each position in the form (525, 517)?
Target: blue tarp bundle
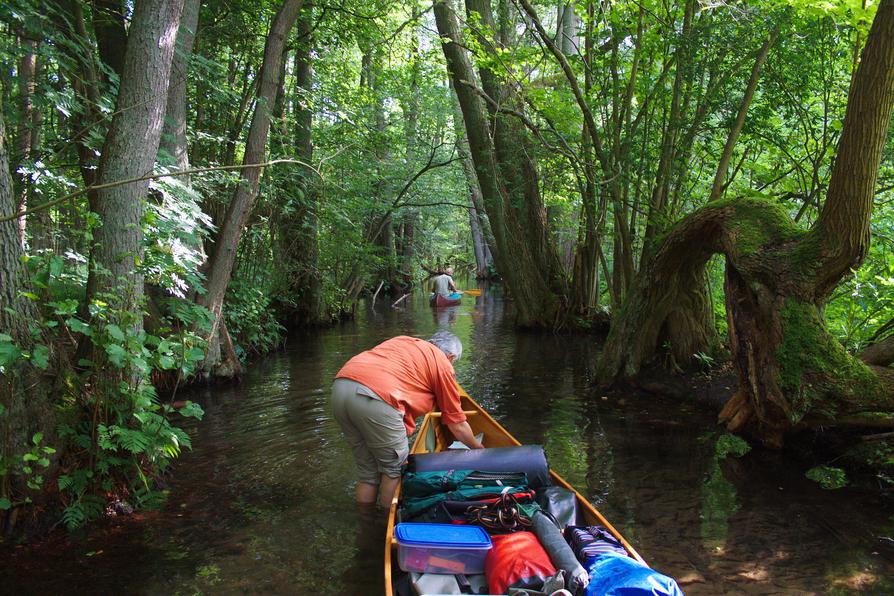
(619, 575)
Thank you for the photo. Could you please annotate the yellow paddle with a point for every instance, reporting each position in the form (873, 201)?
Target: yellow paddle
(471, 292)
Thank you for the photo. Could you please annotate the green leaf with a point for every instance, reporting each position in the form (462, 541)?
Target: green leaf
(192, 410)
(40, 357)
(9, 353)
(195, 354)
(37, 438)
(5, 504)
(56, 265)
(116, 353)
(115, 332)
(79, 326)
(29, 457)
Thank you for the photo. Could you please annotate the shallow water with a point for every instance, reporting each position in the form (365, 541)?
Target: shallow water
(264, 501)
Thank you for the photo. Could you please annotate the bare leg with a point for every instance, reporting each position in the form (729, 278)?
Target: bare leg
(366, 492)
(386, 490)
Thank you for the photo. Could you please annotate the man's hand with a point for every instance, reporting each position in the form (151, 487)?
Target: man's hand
(463, 433)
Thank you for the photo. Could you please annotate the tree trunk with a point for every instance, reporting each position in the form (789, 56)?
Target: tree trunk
(173, 140)
(482, 236)
(25, 394)
(298, 227)
(658, 216)
(791, 369)
(516, 253)
(566, 29)
(111, 33)
(720, 182)
(27, 69)
(227, 241)
(129, 152)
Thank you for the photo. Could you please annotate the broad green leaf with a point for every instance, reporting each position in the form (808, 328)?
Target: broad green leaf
(40, 357)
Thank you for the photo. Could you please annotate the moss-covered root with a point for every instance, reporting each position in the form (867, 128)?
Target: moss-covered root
(822, 380)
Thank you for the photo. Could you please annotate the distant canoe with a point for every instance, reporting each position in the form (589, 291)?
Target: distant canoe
(451, 300)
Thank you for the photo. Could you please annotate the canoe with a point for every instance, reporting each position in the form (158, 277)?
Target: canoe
(452, 300)
(433, 436)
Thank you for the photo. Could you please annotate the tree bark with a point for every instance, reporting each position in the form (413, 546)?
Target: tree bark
(298, 228)
(791, 369)
(518, 238)
(129, 152)
(173, 139)
(879, 354)
(111, 33)
(25, 141)
(25, 394)
(227, 241)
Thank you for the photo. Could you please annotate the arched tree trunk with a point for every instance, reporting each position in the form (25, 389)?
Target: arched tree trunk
(790, 368)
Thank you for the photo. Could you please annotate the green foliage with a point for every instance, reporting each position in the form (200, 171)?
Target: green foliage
(828, 477)
(250, 319)
(728, 445)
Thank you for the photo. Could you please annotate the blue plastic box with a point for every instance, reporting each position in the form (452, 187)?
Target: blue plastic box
(441, 548)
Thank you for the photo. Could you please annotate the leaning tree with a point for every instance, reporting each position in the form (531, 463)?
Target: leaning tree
(791, 369)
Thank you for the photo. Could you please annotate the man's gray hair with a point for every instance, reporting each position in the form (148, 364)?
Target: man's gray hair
(448, 343)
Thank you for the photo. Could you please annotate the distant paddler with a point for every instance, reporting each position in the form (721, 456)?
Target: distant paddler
(443, 285)
(377, 396)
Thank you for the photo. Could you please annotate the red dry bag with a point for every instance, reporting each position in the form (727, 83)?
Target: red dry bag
(516, 560)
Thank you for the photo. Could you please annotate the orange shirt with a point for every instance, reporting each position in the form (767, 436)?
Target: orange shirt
(411, 375)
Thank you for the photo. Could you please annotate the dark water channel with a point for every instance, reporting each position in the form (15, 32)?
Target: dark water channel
(264, 501)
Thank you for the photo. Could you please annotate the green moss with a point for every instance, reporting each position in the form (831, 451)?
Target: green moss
(815, 371)
(728, 444)
(758, 220)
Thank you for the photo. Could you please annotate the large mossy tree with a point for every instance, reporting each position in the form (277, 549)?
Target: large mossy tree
(791, 369)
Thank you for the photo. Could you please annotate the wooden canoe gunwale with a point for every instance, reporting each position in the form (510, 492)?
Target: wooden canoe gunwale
(494, 436)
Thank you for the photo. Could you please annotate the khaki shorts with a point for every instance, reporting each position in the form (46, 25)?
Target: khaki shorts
(375, 430)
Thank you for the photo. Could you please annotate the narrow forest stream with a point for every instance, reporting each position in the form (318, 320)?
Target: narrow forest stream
(264, 502)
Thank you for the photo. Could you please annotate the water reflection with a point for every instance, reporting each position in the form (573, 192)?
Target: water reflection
(264, 502)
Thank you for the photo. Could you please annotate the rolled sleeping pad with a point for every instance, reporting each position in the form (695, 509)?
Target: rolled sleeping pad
(560, 554)
(561, 503)
(529, 459)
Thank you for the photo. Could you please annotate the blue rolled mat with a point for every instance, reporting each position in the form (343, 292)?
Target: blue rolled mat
(529, 459)
(619, 575)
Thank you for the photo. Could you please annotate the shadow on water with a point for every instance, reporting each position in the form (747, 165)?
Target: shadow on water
(264, 501)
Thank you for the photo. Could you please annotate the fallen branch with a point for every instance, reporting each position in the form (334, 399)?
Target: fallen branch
(399, 300)
(877, 436)
(376, 295)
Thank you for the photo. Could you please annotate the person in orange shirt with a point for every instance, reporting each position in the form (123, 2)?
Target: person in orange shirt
(377, 396)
